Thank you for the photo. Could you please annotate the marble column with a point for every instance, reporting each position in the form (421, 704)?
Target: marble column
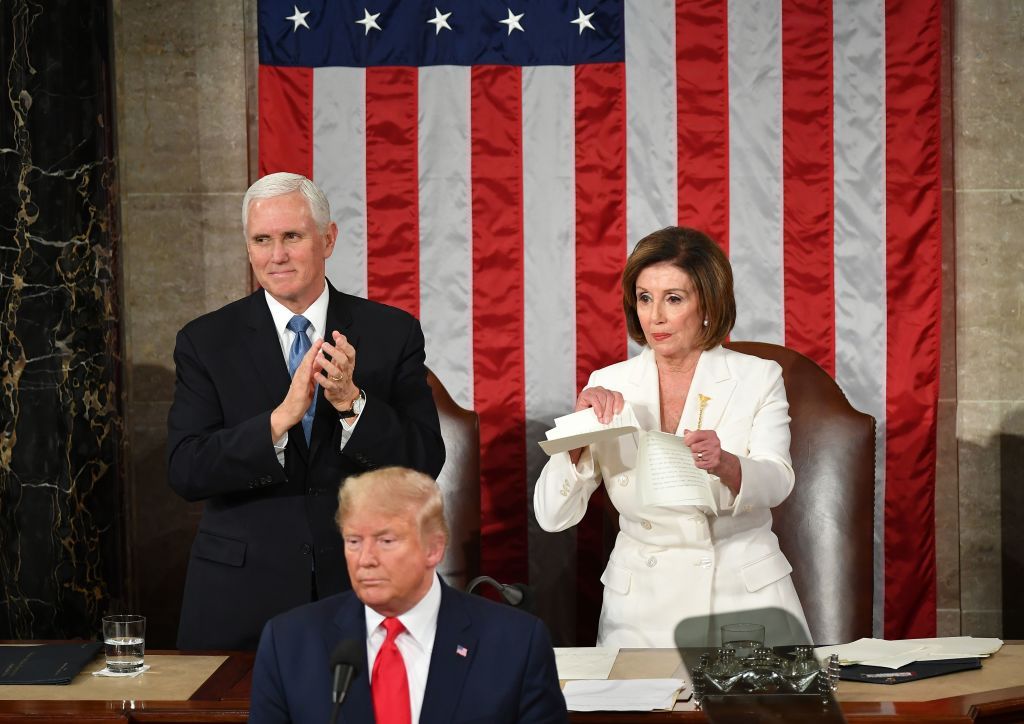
(60, 421)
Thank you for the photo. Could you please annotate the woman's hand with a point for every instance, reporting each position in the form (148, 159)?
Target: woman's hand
(605, 403)
(708, 455)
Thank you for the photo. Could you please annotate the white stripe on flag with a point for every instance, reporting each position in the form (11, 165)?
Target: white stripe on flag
(755, 169)
(860, 254)
(549, 241)
(339, 167)
(446, 225)
(652, 198)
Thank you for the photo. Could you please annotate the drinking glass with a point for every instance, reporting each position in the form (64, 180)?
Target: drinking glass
(124, 638)
(745, 638)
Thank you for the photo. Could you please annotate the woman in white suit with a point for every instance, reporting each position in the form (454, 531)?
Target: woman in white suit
(671, 564)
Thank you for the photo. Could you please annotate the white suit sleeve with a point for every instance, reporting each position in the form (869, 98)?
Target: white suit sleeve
(563, 489)
(767, 469)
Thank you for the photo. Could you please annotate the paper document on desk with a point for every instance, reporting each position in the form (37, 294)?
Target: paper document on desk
(667, 474)
(622, 694)
(584, 662)
(582, 428)
(894, 654)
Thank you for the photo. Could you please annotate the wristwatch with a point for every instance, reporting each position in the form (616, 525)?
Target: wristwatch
(357, 407)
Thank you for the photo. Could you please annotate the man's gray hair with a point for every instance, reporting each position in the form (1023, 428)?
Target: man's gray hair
(281, 183)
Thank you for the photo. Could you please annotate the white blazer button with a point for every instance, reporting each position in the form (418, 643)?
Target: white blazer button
(646, 524)
(623, 480)
(652, 562)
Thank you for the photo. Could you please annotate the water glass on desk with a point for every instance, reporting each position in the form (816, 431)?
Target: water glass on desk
(124, 639)
(745, 638)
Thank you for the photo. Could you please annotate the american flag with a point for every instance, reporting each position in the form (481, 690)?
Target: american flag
(490, 164)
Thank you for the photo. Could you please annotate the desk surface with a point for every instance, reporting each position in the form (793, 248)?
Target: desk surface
(179, 688)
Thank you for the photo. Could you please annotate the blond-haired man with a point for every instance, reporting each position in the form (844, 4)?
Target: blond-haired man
(432, 654)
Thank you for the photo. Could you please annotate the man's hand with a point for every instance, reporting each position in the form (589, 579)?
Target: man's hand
(299, 397)
(334, 369)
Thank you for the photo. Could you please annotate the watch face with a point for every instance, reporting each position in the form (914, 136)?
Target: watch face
(357, 405)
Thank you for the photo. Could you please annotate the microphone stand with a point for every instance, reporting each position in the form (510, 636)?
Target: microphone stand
(512, 595)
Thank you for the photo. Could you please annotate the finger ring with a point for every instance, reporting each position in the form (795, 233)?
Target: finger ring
(700, 456)
(339, 378)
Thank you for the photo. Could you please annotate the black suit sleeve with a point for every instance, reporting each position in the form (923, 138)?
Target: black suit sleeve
(541, 700)
(206, 458)
(404, 429)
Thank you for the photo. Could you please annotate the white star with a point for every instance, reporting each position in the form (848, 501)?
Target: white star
(439, 21)
(298, 18)
(369, 22)
(512, 21)
(583, 20)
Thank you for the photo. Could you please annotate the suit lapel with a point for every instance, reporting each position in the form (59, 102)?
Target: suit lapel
(350, 623)
(455, 645)
(712, 379)
(339, 319)
(645, 394)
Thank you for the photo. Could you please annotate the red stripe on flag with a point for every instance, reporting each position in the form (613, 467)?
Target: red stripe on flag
(499, 366)
(702, 109)
(913, 263)
(600, 99)
(285, 98)
(392, 187)
(807, 183)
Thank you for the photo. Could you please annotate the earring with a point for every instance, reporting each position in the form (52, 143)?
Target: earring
(705, 322)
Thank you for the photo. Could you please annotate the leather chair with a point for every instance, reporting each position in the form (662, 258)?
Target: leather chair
(825, 525)
(460, 485)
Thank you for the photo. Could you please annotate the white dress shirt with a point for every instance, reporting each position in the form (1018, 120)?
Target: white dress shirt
(416, 643)
(316, 313)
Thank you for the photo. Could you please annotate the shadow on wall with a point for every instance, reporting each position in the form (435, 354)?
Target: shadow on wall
(1010, 444)
(162, 525)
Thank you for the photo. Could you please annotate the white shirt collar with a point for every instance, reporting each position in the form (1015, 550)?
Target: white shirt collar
(316, 313)
(420, 621)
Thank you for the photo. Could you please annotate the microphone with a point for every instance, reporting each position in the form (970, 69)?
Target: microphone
(345, 660)
(514, 594)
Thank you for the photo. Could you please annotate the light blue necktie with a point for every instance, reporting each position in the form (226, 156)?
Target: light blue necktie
(300, 346)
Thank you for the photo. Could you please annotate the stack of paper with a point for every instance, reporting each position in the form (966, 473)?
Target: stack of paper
(622, 695)
(894, 654)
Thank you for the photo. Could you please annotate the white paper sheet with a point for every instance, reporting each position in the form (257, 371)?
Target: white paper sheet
(586, 662)
(667, 474)
(894, 654)
(582, 428)
(622, 695)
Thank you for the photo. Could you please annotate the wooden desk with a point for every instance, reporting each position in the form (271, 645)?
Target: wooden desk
(168, 694)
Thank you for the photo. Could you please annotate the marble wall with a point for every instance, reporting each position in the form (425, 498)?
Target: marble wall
(182, 113)
(60, 417)
(988, 125)
(181, 86)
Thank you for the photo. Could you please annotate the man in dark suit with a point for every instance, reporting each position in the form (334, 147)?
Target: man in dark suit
(273, 406)
(426, 652)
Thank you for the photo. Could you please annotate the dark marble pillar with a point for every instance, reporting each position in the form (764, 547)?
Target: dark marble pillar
(60, 420)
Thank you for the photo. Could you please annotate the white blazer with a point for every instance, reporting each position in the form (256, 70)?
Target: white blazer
(676, 563)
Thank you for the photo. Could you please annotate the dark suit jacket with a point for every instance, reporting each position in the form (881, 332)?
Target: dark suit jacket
(507, 675)
(267, 541)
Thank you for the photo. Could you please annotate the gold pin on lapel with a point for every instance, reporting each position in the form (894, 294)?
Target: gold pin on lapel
(702, 401)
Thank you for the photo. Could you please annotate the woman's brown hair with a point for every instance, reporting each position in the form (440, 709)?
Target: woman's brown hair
(703, 261)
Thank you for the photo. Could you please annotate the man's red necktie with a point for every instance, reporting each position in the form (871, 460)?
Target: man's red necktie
(390, 684)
